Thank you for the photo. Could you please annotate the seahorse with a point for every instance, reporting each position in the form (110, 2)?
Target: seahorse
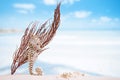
(32, 54)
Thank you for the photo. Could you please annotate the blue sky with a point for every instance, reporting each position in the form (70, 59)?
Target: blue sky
(75, 14)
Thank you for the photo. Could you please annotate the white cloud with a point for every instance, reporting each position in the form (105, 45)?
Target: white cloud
(53, 2)
(50, 2)
(24, 8)
(82, 14)
(105, 22)
(102, 19)
(105, 19)
(97, 23)
(93, 20)
(116, 19)
(22, 11)
(70, 1)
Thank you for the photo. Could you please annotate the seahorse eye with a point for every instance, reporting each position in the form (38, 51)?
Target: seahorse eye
(37, 50)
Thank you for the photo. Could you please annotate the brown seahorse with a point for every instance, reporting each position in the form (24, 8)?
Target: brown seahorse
(33, 48)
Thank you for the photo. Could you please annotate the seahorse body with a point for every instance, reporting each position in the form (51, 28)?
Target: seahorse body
(34, 46)
(31, 63)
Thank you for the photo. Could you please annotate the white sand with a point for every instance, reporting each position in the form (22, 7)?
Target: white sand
(56, 77)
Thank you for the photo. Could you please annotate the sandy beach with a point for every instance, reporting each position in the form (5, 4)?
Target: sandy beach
(65, 76)
(93, 53)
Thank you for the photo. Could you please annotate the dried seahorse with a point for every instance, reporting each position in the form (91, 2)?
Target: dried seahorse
(32, 54)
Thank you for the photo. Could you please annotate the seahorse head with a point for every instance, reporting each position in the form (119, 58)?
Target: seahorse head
(35, 43)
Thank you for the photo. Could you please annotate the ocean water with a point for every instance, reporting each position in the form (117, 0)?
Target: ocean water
(92, 52)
